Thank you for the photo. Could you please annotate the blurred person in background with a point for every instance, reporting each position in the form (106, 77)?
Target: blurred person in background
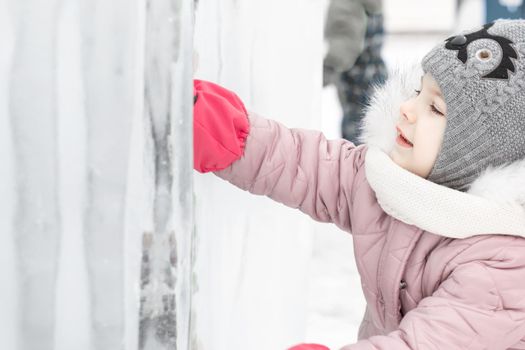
(353, 63)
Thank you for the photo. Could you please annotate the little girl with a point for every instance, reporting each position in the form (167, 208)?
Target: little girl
(435, 200)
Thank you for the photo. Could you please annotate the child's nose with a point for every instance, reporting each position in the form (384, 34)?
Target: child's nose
(407, 111)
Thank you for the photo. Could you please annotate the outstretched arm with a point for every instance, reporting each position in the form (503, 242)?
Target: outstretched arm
(299, 168)
(296, 167)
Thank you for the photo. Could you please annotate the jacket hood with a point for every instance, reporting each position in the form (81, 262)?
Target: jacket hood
(494, 203)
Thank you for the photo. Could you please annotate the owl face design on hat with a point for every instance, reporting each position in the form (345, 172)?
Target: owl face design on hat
(460, 43)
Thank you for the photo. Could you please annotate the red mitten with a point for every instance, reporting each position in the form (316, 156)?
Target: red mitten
(309, 347)
(220, 127)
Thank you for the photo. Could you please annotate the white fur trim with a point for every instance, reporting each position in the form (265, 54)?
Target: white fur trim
(378, 128)
(505, 184)
(495, 202)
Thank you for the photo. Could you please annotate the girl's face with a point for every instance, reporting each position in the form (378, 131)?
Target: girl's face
(420, 129)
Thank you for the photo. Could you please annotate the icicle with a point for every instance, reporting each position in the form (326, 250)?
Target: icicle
(33, 109)
(166, 261)
(108, 34)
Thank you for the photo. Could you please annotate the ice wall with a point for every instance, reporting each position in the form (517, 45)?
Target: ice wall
(84, 179)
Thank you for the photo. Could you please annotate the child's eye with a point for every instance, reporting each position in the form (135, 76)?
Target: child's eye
(435, 110)
(417, 92)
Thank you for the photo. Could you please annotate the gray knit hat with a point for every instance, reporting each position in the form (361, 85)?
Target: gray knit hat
(482, 76)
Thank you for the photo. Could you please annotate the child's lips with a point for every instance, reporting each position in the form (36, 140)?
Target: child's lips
(402, 140)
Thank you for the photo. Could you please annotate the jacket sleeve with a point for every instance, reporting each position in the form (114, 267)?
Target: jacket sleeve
(479, 306)
(344, 32)
(300, 169)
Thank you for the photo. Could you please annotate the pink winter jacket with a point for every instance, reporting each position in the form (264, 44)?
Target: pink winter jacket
(433, 275)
